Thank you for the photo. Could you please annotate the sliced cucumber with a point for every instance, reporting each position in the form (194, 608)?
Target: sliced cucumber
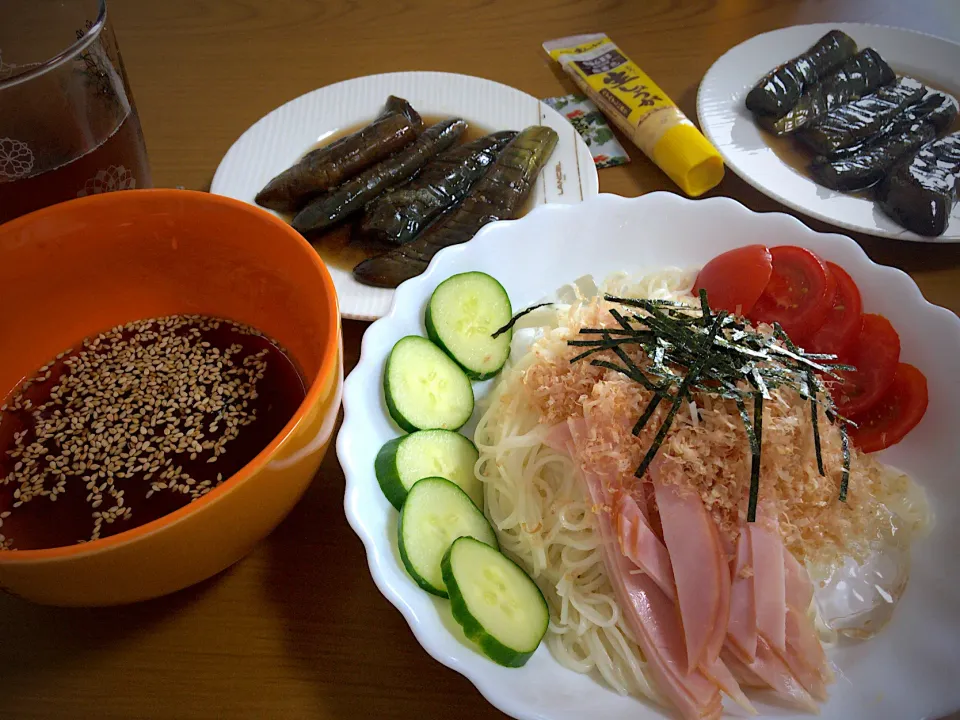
(424, 388)
(462, 315)
(496, 603)
(435, 513)
(428, 453)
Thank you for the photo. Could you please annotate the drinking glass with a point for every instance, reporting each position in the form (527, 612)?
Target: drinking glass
(68, 124)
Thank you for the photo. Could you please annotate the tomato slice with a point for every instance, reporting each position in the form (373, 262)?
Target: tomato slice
(875, 356)
(735, 279)
(842, 327)
(899, 410)
(799, 294)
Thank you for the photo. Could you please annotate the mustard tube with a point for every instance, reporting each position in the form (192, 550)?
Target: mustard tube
(638, 106)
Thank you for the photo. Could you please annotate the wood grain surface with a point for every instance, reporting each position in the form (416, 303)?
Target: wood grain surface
(298, 629)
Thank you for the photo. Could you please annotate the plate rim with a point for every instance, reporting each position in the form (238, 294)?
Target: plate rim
(373, 353)
(589, 179)
(757, 184)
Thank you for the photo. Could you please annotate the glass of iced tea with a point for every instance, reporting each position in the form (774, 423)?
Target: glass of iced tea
(68, 124)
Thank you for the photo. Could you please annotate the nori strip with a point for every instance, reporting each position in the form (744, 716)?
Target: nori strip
(513, 321)
(780, 89)
(396, 217)
(396, 127)
(498, 195)
(352, 195)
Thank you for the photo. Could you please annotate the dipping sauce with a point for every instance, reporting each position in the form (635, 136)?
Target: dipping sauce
(135, 423)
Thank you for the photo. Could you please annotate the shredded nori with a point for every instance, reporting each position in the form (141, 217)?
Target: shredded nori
(698, 349)
(513, 321)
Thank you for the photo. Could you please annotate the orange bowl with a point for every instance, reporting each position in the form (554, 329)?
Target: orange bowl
(76, 269)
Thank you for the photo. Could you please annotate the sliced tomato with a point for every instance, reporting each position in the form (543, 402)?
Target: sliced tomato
(799, 294)
(735, 279)
(876, 355)
(899, 410)
(842, 327)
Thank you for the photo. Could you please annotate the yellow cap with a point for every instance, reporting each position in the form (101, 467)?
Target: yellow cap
(689, 159)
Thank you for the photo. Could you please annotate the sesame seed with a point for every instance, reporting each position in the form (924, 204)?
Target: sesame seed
(141, 399)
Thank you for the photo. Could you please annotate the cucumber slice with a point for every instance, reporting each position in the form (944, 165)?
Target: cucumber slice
(496, 603)
(435, 513)
(462, 315)
(424, 388)
(428, 453)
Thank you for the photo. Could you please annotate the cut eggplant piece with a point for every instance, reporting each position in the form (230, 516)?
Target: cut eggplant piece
(867, 168)
(350, 197)
(398, 216)
(856, 121)
(920, 191)
(780, 89)
(860, 75)
(499, 195)
(936, 108)
(396, 127)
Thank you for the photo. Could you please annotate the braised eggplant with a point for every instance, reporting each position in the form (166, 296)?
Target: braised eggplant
(498, 195)
(858, 76)
(854, 122)
(780, 89)
(920, 191)
(396, 127)
(869, 166)
(936, 108)
(398, 216)
(352, 195)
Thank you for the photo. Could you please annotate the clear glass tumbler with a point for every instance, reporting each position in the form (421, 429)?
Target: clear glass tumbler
(68, 124)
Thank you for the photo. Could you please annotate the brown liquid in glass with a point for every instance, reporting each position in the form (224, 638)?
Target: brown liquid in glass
(119, 163)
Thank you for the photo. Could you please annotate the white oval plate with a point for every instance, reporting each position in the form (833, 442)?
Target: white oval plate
(277, 140)
(730, 126)
(908, 672)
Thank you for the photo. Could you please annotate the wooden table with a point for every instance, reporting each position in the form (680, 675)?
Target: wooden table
(298, 629)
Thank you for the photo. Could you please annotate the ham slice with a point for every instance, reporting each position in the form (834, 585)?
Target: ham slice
(797, 582)
(771, 669)
(805, 656)
(654, 622)
(768, 580)
(744, 675)
(742, 624)
(698, 568)
(642, 546)
(718, 672)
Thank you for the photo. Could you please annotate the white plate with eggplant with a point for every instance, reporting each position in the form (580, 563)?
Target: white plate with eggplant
(853, 124)
(380, 172)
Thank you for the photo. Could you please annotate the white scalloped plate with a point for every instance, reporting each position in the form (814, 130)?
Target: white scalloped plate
(731, 128)
(278, 139)
(908, 672)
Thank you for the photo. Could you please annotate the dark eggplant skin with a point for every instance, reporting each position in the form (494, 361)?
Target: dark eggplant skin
(936, 108)
(920, 191)
(396, 217)
(351, 196)
(498, 195)
(396, 127)
(861, 119)
(858, 76)
(869, 166)
(780, 89)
